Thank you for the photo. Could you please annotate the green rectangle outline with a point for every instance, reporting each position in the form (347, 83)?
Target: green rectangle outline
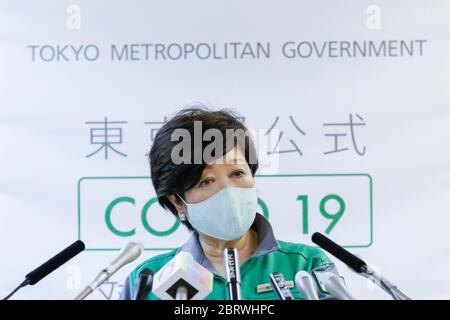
(258, 176)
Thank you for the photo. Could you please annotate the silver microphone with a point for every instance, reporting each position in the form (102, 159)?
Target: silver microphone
(334, 285)
(305, 285)
(128, 254)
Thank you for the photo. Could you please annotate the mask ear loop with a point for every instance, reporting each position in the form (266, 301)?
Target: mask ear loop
(182, 214)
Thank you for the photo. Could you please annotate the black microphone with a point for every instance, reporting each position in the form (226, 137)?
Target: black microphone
(340, 253)
(279, 286)
(54, 263)
(145, 284)
(51, 265)
(233, 274)
(359, 266)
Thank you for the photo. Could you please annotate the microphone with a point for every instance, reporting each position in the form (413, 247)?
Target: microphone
(340, 253)
(358, 265)
(51, 265)
(182, 278)
(128, 254)
(233, 273)
(145, 284)
(333, 284)
(279, 286)
(305, 285)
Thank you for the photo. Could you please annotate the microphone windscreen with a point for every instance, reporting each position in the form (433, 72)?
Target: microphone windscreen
(183, 271)
(54, 263)
(340, 253)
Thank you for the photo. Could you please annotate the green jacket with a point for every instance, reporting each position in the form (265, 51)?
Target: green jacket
(271, 256)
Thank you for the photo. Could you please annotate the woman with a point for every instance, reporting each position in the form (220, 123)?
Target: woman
(215, 197)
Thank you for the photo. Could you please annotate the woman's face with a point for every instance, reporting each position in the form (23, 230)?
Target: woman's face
(230, 170)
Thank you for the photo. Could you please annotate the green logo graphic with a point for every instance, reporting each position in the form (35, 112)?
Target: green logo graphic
(307, 206)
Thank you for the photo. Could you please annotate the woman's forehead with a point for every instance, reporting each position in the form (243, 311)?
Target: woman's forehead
(232, 157)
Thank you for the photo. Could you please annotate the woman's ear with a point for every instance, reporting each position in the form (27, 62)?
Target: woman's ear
(177, 203)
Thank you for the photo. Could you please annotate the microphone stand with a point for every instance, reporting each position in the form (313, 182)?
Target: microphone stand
(383, 283)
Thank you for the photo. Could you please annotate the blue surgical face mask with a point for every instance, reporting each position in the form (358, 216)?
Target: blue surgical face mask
(226, 215)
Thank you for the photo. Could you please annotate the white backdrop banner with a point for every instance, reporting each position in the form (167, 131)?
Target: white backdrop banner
(357, 92)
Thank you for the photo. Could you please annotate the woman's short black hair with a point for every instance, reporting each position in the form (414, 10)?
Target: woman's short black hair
(169, 178)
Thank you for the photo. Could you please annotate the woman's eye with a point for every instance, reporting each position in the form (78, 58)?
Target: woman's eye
(205, 182)
(237, 173)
